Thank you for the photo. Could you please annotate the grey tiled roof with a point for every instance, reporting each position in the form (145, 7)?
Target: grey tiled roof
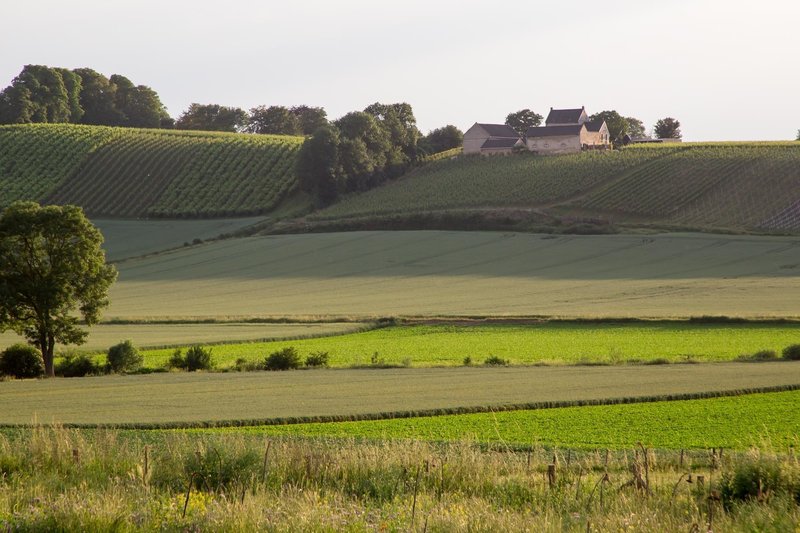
(594, 125)
(554, 131)
(499, 130)
(564, 116)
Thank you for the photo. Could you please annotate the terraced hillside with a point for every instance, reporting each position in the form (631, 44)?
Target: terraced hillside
(713, 185)
(144, 173)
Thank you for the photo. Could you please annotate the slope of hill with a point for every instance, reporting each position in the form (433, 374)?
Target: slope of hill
(745, 186)
(145, 173)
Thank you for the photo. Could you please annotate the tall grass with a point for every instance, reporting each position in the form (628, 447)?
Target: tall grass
(58, 479)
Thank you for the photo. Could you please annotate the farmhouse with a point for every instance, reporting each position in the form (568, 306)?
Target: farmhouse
(490, 139)
(565, 131)
(568, 131)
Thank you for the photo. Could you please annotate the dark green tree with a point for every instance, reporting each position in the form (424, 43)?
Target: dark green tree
(275, 120)
(97, 99)
(635, 127)
(798, 135)
(51, 264)
(317, 165)
(212, 117)
(309, 119)
(37, 94)
(442, 139)
(667, 128)
(617, 124)
(398, 121)
(523, 119)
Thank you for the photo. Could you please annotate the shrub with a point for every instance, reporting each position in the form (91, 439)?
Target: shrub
(792, 353)
(285, 359)
(21, 361)
(761, 355)
(467, 361)
(77, 366)
(751, 479)
(493, 360)
(124, 357)
(317, 360)
(198, 358)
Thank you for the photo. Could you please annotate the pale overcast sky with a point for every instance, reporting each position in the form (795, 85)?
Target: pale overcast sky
(727, 69)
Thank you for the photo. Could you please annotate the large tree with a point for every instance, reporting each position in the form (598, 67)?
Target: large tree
(309, 119)
(276, 120)
(442, 139)
(51, 264)
(37, 94)
(317, 165)
(635, 127)
(523, 119)
(97, 99)
(618, 125)
(667, 128)
(212, 117)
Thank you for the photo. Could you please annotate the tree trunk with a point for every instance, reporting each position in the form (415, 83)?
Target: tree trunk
(46, 348)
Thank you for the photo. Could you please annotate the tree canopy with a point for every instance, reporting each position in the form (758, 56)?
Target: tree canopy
(667, 128)
(618, 125)
(442, 139)
(45, 94)
(523, 119)
(635, 127)
(51, 264)
(212, 117)
(276, 120)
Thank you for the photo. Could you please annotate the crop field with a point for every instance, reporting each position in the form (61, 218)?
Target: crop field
(368, 274)
(126, 172)
(314, 395)
(549, 343)
(713, 185)
(37, 158)
(707, 423)
(131, 238)
(102, 336)
(524, 180)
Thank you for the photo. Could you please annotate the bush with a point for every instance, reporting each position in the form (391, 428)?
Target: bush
(124, 357)
(197, 358)
(77, 366)
(493, 360)
(285, 359)
(467, 361)
(751, 479)
(21, 361)
(761, 355)
(317, 360)
(792, 353)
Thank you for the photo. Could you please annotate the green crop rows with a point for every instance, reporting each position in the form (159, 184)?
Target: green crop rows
(772, 417)
(522, 180)
(132, 173)
(554, 343)
(36, 158)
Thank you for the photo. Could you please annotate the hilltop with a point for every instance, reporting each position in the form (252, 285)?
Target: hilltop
(708, 186)
(132, 173)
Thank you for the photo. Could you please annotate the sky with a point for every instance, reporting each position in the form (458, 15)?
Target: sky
(726, 69)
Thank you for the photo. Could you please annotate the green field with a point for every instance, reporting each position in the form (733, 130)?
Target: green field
(713, 185)
(102, 336)
(367, 274)
(131, 238)
(771, 418)
(126, 172)
(548, 343)
(250, 397)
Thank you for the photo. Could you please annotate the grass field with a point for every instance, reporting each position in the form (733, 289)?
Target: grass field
(131, 238)
(319, 394)
(128, 172)
(102, 336)
(549, 343)
(466, 273)
(760, 418)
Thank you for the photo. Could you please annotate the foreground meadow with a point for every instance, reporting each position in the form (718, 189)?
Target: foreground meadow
(67, 480)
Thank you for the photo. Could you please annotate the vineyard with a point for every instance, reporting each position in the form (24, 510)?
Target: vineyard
(713, 185)
(146, 173)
